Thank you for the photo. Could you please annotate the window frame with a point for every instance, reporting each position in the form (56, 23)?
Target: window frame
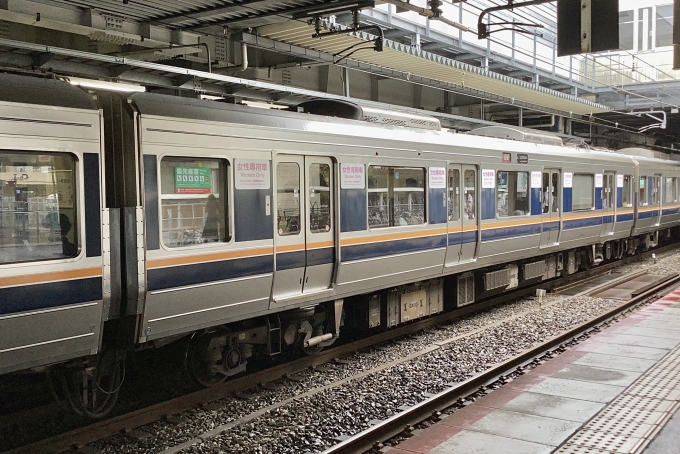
(631, 198)
(527, 212)
(592, 194)
(646, 189)
(78, 221)
(390, 191)
(227, 204)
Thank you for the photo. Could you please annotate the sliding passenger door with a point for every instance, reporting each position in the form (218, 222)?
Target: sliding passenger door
(470, 204)
(290, 227)
(455, 220)
(304, 237)
(550, 207)
(608, 203)
(462, 214)
(320, 233)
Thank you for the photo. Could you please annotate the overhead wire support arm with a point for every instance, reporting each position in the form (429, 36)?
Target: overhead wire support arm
(483, 29)
(378, 42)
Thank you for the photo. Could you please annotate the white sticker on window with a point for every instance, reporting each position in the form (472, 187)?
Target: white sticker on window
(567, 179)
(598, 180)
(619, 181)
(252, 174)
(437, 177)
(488, 179)
(536, 180)
(352, 176)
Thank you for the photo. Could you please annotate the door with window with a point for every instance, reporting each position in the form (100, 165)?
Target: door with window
(550, 207)
(608, 203)
(462, 214)
(304, 237)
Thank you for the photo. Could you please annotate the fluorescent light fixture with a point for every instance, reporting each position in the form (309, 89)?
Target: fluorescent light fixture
(103, 85)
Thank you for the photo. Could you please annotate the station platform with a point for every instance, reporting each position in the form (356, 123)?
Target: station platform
(616, 392)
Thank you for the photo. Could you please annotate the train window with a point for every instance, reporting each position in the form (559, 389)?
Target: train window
(670, 195)
(320, 198)
(288, 198)
(469, 193)
(193, 201)
(582, 192)
(642, 193)
(655, 190)
(513, 193)
(38, 216)
(454, 194)
(396, 196)
(627, 190)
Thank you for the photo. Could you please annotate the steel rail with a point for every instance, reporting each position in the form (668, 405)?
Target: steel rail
(143, 416)
(388, 428)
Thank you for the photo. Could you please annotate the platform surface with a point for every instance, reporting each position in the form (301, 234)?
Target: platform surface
(615, 393)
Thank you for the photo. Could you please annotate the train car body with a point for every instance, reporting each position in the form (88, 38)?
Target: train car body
(251, 230)
(53, 272)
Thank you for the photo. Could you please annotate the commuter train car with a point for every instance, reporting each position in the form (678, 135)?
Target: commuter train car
(135, 221)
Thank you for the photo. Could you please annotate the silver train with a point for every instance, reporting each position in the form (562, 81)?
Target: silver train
(134, 221)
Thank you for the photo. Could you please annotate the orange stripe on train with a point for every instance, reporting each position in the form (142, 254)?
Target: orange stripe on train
(160, 263)
(49, 277)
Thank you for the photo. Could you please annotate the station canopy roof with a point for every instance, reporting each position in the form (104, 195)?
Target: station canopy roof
(288, 22)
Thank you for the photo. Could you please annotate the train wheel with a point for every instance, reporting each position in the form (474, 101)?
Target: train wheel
(201, 360)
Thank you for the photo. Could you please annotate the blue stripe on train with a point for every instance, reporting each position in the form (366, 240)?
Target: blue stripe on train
(607, 219)
(550, 226)
(369, 250)
(290, 260)
(49, 295)
(151, 201)
(200, 273)
(578, 223)
(648, 214)
(93, 223)
(670, 211)
(320, 256)
(624, 217)
(462, 237)
(508, 232)
(298, 259)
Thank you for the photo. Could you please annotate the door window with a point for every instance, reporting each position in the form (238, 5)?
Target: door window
(469, 195)
(319, 198)
(288, 198)
(655, 190)
(627, 191)
(454, 194)
(642, 193)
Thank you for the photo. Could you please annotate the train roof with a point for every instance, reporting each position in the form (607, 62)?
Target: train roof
(44, 91)
(212, 111)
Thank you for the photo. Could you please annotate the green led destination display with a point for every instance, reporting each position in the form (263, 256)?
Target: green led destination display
(192, 180)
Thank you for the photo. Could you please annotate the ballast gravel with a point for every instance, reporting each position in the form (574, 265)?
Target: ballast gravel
(311, 424)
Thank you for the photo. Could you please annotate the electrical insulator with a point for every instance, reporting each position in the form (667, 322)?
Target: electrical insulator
(434, 7)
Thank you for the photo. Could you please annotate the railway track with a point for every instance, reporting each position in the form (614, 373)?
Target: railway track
(130, 421)
(391, 427)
